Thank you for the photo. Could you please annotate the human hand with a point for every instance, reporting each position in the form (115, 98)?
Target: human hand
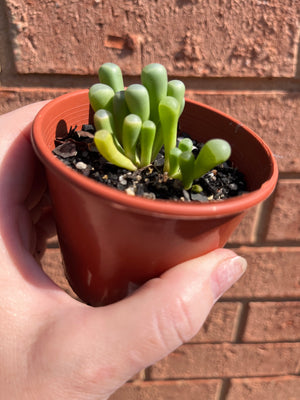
(54, 347)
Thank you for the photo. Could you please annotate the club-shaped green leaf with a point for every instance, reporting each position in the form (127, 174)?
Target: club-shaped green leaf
(105, 144)
(147, 137)
(101, 96)
(168, 113)
(174, 163)
(137, 99)
(154, 77)
(120, 110)
(103, 119)
(213, 153)
(185, 144)
(131, 131)
(186, 163)
(176, 89)
(111, 75)
(158, 142)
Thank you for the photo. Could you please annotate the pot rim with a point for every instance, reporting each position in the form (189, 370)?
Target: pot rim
(219, 208)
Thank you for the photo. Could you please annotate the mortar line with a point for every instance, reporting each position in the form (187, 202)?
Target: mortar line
(240, 322)
(197, 84)
(224, 389)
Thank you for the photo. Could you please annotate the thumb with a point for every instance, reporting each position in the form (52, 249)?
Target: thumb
(162, 314)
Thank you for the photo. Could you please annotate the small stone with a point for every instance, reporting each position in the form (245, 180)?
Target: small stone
(149, 171)
(211, 176)
(159, 161)
(186, 195)
(130, 191)
(122, 180)
(66, 150)
(149, 195)
(81, 165)
(199, 197)
(84, 134)
(88, 128)
(233, 186)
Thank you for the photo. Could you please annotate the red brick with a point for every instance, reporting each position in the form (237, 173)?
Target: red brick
(174, 390)
(272, 273)
(229, 360)
(13, 98)
(52, 264)
(6, 59)
(245, 232)
(220, 325)
(285, 218)
(275, 388)
(273, 322)
(272, 115)
(74, 38)
(232, 39)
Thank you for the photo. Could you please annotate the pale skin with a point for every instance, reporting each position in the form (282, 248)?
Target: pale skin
(56, 348)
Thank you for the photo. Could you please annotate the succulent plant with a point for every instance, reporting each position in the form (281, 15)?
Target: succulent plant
(133, 124)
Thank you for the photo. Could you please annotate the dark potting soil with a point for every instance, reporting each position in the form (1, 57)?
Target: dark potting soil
(76, 149)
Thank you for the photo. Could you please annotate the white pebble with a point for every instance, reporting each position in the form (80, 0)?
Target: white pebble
(81, 165)
(122, 180)
(130, 191)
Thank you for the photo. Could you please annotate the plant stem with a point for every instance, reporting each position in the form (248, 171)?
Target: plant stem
(186, 163)
(169, 114)
(146, 140)
(174, 161)
(131, 131)
(120, 111)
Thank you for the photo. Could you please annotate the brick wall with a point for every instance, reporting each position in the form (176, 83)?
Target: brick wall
(241, 57)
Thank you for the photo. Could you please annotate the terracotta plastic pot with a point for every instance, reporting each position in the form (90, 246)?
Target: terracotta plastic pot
(112, 242)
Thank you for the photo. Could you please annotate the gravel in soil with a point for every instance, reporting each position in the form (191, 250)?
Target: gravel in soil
(76, 149)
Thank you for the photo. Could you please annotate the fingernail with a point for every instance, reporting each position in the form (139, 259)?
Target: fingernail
(226, 274)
